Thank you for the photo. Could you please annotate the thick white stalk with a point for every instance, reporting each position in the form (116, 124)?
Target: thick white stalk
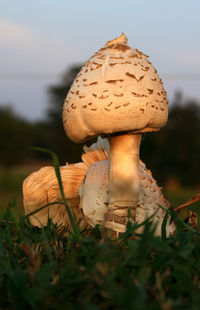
(123, 180)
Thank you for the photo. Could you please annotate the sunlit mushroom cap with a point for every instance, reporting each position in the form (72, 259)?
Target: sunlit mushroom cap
(41, 187)
(117, 90)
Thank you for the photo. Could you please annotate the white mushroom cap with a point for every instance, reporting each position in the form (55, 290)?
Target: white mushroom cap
(94, 196)
(117, 90)
(94, 193)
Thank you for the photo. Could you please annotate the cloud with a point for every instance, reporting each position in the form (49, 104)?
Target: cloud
(26, 49)
(12, 35)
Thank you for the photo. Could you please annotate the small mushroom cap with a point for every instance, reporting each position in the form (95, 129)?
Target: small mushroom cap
(41, 187)
(117, 90)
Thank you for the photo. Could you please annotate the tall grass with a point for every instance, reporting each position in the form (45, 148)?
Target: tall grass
(45, 269)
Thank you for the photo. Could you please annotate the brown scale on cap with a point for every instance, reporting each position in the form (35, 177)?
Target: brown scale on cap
(113, 64)
(138, 95)
(101, 57)
(118, 58)
(103, 97)
(134, 77)
(125, 63)
(114, 81)
(145, 69)
(93, 83)
(120, 95)
(73, 106)
(121, 47)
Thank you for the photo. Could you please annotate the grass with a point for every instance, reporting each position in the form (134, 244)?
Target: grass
(45, 269)
(180, 195)
(11, 187)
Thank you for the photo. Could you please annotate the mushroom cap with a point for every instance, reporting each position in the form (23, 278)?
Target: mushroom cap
(117, 90)
(41, 187)
(94, 198)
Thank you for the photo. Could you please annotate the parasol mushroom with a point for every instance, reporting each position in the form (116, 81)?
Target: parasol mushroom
(117, 94)
(86, 190)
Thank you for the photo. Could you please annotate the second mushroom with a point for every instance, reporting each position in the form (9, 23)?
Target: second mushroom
(117, 94)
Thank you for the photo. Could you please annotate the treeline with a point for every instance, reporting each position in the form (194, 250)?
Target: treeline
(172, 153)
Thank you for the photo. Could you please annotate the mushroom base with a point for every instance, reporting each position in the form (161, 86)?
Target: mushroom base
(118, 216)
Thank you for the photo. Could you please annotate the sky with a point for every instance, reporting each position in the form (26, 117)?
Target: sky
(41, 39)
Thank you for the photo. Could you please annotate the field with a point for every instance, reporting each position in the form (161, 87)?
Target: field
(11, 189)
(11, 180)
(46, 269)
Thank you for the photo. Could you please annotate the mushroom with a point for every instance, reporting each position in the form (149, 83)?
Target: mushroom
(86, 190)
(117, 94)
(41, 188)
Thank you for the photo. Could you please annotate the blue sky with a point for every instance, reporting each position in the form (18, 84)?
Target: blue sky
(46, 36)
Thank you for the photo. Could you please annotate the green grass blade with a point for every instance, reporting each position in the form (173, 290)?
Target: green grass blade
(58, 175)
(43, 207)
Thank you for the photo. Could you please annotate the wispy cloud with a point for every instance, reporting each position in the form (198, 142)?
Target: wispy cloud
(25, 49)
(12, 35)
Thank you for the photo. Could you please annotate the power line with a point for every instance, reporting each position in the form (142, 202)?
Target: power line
(181, 76)
(50, 76)
(28, 76)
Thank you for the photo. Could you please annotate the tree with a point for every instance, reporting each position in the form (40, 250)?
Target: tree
(175, 150)
(16, 137)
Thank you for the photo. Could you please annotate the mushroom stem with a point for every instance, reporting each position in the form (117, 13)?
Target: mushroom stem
(123, 180)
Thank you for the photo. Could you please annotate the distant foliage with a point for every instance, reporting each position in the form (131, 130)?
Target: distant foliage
(174, 152)
(16, 135)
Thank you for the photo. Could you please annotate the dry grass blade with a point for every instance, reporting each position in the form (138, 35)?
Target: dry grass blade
(189, 202)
